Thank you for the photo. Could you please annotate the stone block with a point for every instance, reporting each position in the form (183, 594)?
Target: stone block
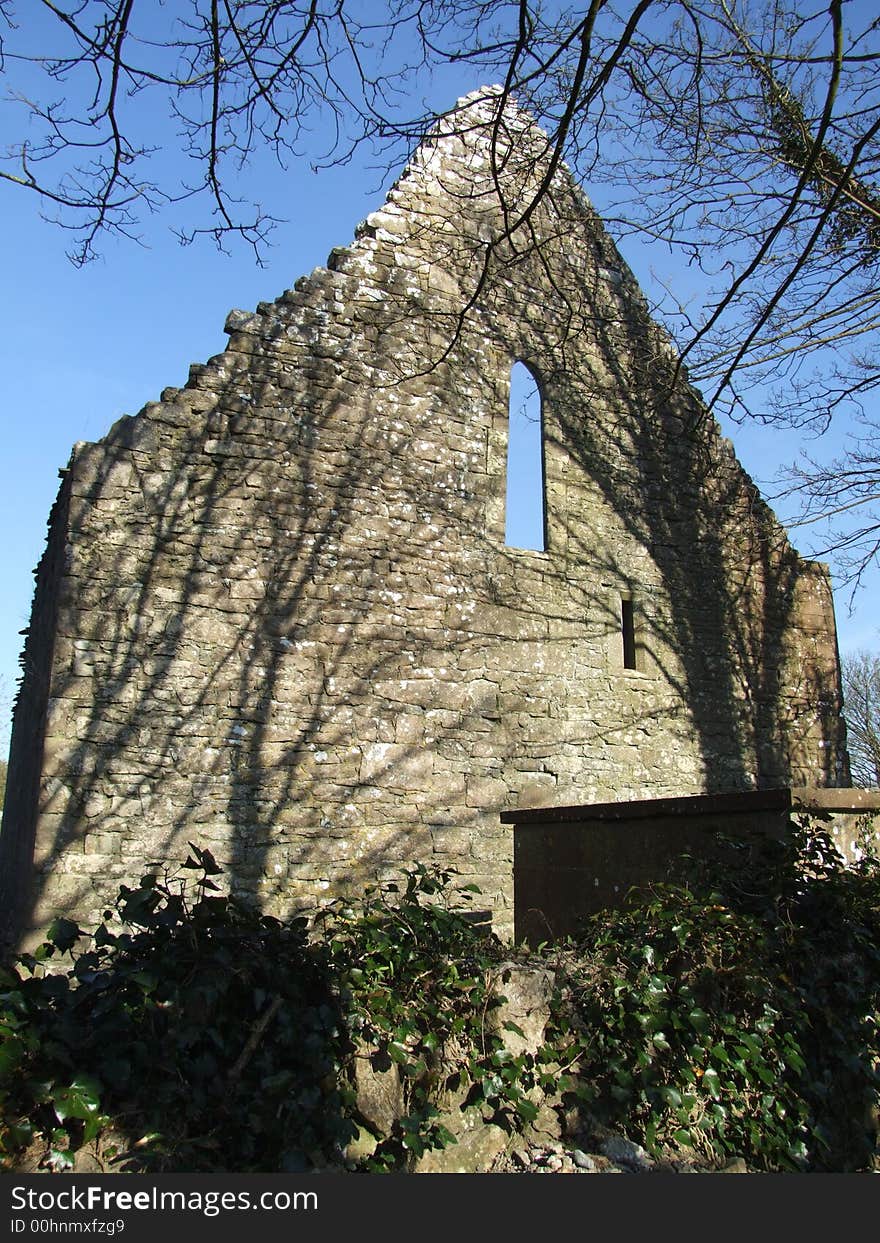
(379, 1089)
(524, 993)
(391, 764)
(473, 1152)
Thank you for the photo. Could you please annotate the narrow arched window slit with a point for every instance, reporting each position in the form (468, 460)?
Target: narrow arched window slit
(525, 511)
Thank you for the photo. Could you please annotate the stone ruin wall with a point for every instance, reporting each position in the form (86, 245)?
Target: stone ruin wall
(286, 624)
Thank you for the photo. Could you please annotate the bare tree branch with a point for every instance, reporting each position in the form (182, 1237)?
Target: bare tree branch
(861, 692)
(740, 136)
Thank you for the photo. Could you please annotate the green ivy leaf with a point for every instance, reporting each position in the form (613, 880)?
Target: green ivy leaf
(81, 1099)
(698, 1019)
(64, 933)
(711, 1083)
(526, 1109)
(60, 1160)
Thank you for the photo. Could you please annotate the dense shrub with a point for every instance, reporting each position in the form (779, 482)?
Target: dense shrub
(206, 1032)
(737, 1014)
(211, 1037)
(415, 972)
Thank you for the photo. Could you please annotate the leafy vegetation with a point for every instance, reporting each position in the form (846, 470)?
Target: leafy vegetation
(207, 1036)
(416, 986)
(732, 1015)
(202, 1030)
(737, 1014)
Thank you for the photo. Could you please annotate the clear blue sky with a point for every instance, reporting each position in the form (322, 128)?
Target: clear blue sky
(79, 348)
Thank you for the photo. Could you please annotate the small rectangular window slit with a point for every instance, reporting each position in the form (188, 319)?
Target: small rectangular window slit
(628, 632)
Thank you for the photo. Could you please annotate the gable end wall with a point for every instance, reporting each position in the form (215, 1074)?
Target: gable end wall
(288, 627)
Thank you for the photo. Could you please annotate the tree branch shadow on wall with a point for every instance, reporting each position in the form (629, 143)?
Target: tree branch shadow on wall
(279, 546)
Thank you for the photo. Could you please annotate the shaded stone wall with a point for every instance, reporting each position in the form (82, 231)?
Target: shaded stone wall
(288, 626)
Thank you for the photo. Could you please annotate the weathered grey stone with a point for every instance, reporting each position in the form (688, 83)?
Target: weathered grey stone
(736, 1166)
(276, 572)
(623, 1151)
(473, 1153)
(362, 1146)
(379, 1091)
(547, 1124)
(526, 991)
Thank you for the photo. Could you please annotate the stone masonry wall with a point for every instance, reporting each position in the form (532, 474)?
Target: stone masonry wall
(289, 629)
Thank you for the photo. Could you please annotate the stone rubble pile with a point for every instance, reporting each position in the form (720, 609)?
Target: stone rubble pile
(615, 1155)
